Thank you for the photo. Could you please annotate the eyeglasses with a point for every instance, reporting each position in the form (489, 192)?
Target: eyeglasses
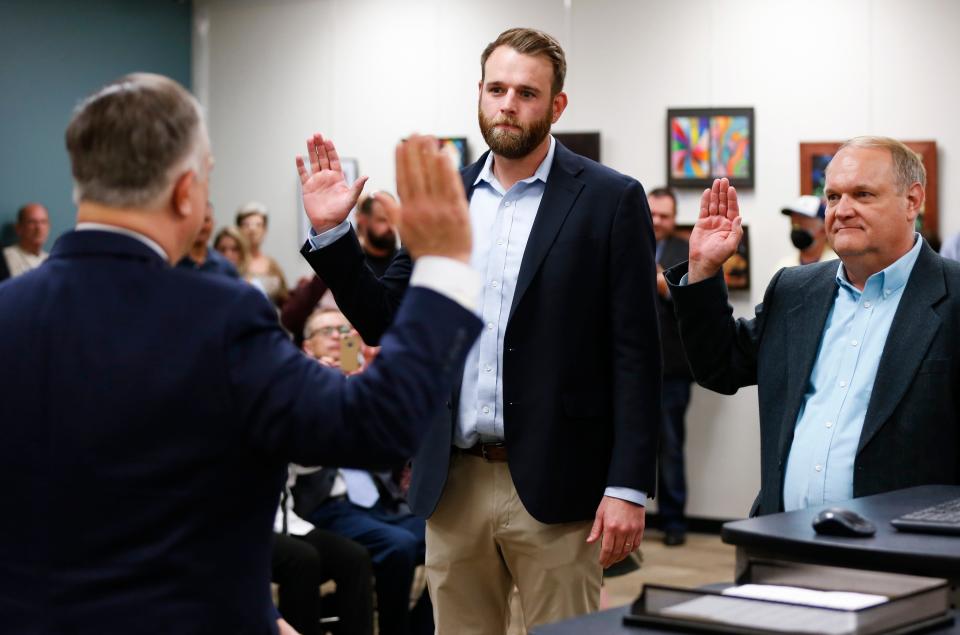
(327, 331)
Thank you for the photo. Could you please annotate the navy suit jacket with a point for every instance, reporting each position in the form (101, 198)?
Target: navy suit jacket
(147, 414)
(582, 363)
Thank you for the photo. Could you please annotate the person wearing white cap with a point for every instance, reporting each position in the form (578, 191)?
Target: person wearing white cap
(806, 233)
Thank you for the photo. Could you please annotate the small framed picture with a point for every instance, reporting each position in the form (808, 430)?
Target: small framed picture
(704, 144)
(736, 270)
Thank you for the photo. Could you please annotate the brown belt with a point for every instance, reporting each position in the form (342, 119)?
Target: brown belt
(488, 451)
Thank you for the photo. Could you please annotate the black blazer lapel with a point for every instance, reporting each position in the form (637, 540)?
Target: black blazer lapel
(559, 195)
(914, 326)
(809, 316)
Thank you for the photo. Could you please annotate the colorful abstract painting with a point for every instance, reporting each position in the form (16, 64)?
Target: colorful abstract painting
(456, 149)
(730, 146)
(690, 147)
(708, 143)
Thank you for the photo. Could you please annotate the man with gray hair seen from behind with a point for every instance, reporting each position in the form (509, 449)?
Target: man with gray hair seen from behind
(156, 409)
(33, 228)
(855, 361)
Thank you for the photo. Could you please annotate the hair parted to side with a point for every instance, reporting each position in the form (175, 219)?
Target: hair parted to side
(907, 165)
(128, 141)
(251, 208)
(531, 42)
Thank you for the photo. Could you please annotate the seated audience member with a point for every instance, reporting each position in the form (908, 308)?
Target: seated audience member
(305, 557)
(378, 239)
(252, 223)
(807, 233)
(201, 257)
(855, 361)
(160, 422)
(32, 228)
(367, 507)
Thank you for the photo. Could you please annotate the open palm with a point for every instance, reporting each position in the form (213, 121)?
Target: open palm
(718, 230)
(327, 199)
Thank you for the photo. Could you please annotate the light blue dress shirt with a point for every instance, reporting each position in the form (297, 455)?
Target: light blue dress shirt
(501, 221)
(820, 465)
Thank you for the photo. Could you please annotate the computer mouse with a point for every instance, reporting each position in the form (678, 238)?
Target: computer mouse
(837, 521)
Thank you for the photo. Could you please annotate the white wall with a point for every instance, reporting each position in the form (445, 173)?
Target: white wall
(368, 72)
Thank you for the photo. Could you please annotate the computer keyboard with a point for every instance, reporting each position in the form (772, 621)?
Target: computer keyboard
(936, 519)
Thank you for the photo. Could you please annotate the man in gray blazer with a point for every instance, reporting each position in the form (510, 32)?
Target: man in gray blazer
(855, 361)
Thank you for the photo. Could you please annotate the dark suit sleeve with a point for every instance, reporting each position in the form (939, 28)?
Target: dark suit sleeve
(296, 410)
(370, 303)
(637, 364)
(722, 351)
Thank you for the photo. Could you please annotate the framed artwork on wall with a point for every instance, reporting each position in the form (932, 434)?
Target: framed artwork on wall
(815, 156)
(736, 270)
(586, 144)
(456, 147)
(708, 143)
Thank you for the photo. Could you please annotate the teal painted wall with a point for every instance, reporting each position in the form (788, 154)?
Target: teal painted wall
(52, 54)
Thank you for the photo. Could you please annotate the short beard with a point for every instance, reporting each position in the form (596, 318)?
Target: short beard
(384, 242)
(514, 145)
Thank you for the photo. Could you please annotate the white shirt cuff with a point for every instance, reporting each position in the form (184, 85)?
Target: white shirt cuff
(451, 278)
(319, 241)
(683, 280)
(627, 494)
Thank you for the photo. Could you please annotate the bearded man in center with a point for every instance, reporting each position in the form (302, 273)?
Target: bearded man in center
(537, 473)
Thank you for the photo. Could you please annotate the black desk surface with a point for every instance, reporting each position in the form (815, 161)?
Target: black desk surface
(791, 536)
(610, 622)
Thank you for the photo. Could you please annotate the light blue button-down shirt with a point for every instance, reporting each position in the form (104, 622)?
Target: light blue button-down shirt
(501, 221)
(820, 465)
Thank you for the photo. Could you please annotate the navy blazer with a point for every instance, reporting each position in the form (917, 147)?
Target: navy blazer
(911, 432)
(148, 413)
(582, 363)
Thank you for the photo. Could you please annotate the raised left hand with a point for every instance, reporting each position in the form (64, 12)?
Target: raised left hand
(619, 527)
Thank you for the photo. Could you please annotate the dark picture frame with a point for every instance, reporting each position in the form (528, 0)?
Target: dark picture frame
(704, 144)
(736, 270)
(814, 157)
(586, 144)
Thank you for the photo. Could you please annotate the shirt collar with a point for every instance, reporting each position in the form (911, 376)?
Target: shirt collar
(541, 174)
(149, 242)
(894, 276)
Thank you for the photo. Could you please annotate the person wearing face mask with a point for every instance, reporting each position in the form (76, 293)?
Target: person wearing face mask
(806, 232)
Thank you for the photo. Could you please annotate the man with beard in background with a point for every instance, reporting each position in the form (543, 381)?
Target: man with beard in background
(378, 239)
(538, 473)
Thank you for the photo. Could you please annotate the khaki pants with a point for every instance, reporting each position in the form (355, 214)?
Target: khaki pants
(481, 541)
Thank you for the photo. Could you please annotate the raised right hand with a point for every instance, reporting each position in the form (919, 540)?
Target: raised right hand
(327, 198)
(717, 232)
(433, 216)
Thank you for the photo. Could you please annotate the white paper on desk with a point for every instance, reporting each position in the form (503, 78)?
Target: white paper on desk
(763, 615)
(845, 600)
